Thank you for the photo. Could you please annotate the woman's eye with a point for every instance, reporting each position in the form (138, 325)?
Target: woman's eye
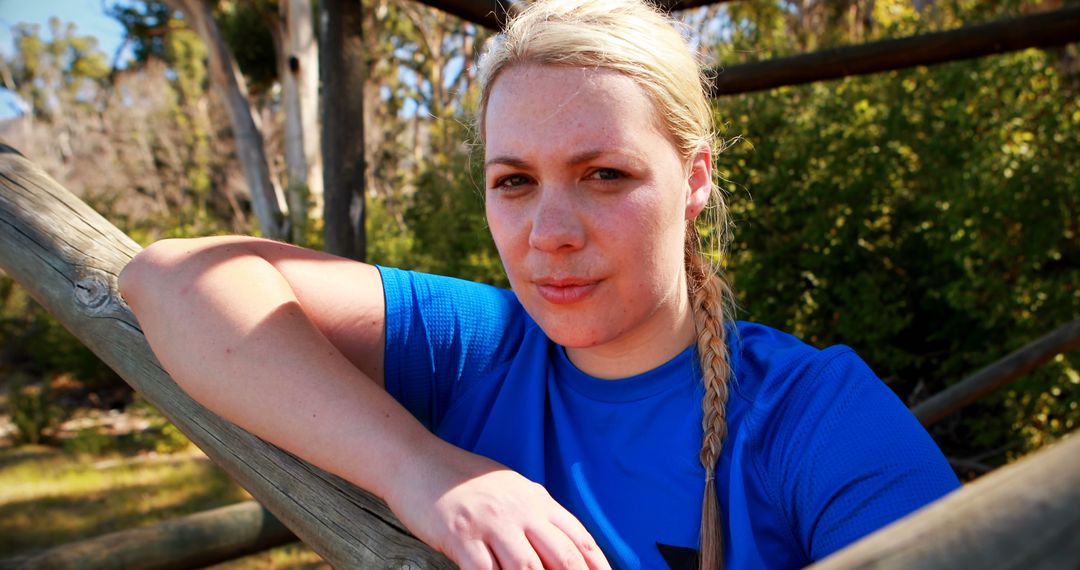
(606, 174)
(512, 181)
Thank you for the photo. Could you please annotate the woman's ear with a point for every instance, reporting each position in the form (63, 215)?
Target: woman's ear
(699, 183)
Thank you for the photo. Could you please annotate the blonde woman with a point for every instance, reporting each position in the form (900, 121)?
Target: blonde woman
(606, 411)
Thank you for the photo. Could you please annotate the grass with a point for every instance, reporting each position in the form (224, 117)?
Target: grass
(50, 497)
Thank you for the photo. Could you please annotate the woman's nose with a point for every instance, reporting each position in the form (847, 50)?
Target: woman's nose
(556, 223)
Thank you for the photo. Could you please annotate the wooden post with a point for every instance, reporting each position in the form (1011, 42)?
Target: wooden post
(194, 541)
(341, 63)
(1025, 516)
(67, 257)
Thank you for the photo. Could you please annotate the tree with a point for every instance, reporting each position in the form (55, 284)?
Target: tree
(926, 216)
(266, 195)
(343, 66)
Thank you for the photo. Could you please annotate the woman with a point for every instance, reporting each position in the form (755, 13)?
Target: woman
(606, 411)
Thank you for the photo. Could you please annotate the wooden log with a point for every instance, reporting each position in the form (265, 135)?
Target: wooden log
(1015, 365)
(1059, 27)
(1025, 516)
(1048, 29)
(193, 541)
(670, 5)
(488, 13)
(492, 13)
(68, 257)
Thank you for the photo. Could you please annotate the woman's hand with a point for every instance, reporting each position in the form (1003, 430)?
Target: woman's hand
(484, 516)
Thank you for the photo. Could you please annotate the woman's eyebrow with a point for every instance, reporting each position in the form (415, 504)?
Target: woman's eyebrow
(511, 161)
(574, 160)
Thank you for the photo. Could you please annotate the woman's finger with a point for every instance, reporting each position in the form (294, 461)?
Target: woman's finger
(555, 548)
(513, 550)
(580, 537)
(474, 555)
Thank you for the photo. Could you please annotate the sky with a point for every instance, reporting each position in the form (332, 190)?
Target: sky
(88, 16)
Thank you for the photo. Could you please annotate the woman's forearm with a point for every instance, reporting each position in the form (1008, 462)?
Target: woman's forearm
(229, 329)
(232, 331)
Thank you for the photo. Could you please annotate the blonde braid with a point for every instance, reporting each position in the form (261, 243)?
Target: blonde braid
(634, 38)
(710, 296)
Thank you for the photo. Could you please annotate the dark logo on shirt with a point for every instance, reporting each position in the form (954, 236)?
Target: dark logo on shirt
(678, 557)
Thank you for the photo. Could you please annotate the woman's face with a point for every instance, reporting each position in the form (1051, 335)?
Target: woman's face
(587, 200)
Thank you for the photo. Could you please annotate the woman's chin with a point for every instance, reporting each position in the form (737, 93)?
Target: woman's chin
(574, 335)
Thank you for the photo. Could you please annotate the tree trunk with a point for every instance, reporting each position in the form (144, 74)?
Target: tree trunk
(67, 257)
(298, 72)
(266, 198)
(342, 62)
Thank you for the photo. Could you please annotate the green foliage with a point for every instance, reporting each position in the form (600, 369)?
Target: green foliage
(146, 25)
(443, 228)
(90, 441)
(170, 439)
(49, 498)
(33, 411)
(927, 217)
(246, 28)
(67, 71)
(448, 223)
(37, 345)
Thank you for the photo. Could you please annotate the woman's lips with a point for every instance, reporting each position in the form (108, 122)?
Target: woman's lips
(565, 291)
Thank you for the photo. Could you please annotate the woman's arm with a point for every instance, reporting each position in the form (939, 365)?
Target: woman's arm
(287, 343)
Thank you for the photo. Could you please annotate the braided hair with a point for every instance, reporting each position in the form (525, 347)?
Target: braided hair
(633, 38)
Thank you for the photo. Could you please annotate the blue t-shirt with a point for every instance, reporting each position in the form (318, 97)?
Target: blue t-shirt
(819, 451)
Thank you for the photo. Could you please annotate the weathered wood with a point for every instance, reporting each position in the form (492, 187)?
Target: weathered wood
(1059, 27)
(488, 13)
(193, 541)
(492, 13)
(670, 5)
(68, 257)
(1015, 365)
(1048, 29)
(1025, 516)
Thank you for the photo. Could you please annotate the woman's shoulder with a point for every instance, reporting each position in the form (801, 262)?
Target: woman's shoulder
(426, 286)
(767, 362)
(445, 305)
(838, 452)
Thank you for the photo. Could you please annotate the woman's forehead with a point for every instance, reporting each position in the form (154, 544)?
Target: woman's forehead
(533, 106)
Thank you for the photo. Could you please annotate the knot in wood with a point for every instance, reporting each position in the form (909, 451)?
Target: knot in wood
(92, 292)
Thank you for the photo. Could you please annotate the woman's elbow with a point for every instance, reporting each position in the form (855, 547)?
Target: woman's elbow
(150, 270)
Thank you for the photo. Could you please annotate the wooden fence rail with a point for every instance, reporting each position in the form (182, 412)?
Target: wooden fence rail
(194, 541)
(1059, 27)
(1025, 516)
(67, 257)
(1014, 366)
(1047, 29)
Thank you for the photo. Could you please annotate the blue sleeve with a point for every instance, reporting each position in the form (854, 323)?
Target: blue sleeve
(441, 333)
(854, 458)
